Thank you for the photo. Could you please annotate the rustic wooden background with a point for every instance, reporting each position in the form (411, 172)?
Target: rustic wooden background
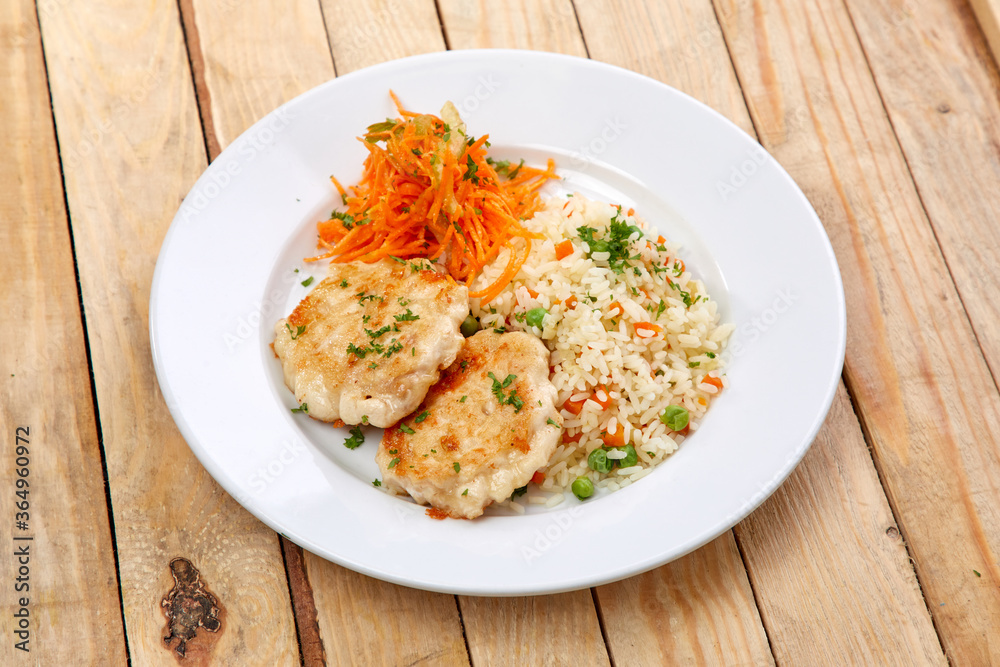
(881, 548)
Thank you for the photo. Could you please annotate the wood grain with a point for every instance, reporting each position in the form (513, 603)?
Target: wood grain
(379, 623)
(369, 32)
(354, 615)
(697, 610)
(841, 566)
(543, 630)
(541, 25)
(924, 394)
(988, 15)
(684, 46)
(71, 580)
(131, 146)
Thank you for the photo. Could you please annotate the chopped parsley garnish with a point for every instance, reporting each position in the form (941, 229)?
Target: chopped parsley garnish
(408, 316)
(373, 365)
(422, 416)
(662, 307)
(302, 408)
(500, 330)
(694, 364)
(299, 330)
(343, 283)
(659, 372)
(551, 422)
(356, 440)
(375, 334)
(470, 170)
(392, 463)
(406, 429)
(710, 355)
(615, 241)
(520, 491)
(307, 282)
(376, 483)
(413, 352)
(392, 349)
(362, 297)
(358, 352)
(502, 397)
(457, 466)
(465, 493)
(462, 400)
(364, 419)
(397, 259)
(346, 219)
(403, 302)
(464, 365)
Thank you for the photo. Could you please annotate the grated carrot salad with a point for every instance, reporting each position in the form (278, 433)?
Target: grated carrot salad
(430, 191)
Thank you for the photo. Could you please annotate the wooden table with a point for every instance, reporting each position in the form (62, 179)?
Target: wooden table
(881, 548)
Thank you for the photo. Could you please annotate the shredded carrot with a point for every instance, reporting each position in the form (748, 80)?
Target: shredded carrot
(429, 191)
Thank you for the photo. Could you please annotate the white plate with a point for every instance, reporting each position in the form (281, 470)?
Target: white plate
(225, 275)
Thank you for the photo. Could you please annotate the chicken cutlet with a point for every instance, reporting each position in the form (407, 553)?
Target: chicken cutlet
(482, 431)
(366, 344)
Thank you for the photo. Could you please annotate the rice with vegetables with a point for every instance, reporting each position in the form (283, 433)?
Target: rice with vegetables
(635, 341)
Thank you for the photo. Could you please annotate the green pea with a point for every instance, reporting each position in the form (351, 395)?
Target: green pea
(675, 417)
(631, 457)
(599, 461)
(582, 488)
(470, 326)
(535, 317)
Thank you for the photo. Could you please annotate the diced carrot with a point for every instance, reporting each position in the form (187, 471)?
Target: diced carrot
(652, 329)
(601, 396)
(571, 303)
(564, 249)
(538, 477)
(714, 381)
(616, 439)
(574, 407)
(660, 240)
(613, 307)
(631, 212)
(532, 293)
(572, 438)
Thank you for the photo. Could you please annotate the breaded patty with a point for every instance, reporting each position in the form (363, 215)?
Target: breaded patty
(366, 344)
(482, 431)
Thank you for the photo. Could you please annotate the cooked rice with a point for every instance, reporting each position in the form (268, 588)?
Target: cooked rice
(643, 371)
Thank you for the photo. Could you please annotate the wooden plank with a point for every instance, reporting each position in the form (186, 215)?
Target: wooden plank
(697, 610)
(69, 578)
(559, 628)
(374, 31)
(841, 566)
(245, 71)
(541, 630)
(385, 623)
(541, 25)
(988, 15)
(923, 391)
(131, 147)
(683, 46)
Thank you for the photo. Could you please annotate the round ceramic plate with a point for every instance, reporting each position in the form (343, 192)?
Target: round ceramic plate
(231, 265)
